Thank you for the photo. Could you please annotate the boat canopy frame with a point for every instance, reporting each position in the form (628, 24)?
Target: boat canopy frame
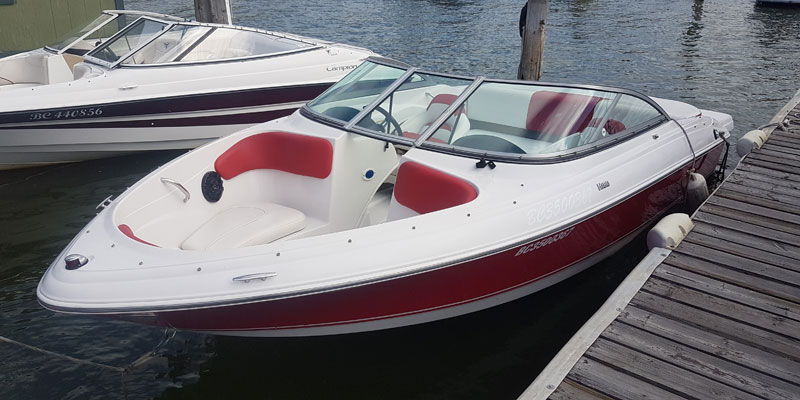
(424, 143)
(170, 22)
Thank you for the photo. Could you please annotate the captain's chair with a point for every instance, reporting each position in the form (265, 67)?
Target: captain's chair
(456, 123)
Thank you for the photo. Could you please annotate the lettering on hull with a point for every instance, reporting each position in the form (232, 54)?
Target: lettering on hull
(544, 242)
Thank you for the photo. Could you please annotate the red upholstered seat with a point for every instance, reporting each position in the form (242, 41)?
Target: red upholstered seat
(289, 152)
(424, 189)
(612, 126)
(556, 115)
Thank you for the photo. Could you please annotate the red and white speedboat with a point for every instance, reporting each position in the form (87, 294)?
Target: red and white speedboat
(396, 197)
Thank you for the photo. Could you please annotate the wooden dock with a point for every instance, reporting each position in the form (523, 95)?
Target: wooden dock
(718, 317)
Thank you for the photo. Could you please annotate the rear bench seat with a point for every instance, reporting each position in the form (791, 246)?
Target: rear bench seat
(243, 225)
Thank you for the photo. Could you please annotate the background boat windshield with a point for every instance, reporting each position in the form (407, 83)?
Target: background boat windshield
(520, 120)
(139, 33)
(195, 43)
(71, 37)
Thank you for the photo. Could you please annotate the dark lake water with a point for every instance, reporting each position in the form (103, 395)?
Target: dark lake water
(730, 56)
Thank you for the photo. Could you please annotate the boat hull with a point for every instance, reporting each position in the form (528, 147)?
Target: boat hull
(443, 292)
(48, 136)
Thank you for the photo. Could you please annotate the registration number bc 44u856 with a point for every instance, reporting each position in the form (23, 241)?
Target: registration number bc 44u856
(66, 114)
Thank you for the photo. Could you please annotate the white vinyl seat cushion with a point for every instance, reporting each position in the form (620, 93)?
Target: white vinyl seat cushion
(245, 225)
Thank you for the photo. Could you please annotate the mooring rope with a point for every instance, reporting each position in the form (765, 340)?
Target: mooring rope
(168, 335)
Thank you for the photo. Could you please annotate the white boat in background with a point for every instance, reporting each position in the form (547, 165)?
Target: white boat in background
(397, 197)
(132, 81)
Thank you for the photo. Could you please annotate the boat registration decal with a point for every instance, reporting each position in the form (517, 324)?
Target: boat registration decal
(66, 114)
(544, 242)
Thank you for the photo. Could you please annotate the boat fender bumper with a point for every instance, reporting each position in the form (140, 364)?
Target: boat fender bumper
(750, 141)
(696, 191)
(670, 231)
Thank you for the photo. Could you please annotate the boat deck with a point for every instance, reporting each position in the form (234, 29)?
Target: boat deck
(718, 317)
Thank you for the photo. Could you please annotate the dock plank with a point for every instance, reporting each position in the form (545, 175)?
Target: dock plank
(732, 310)
(788, 254)
(660, 373)
(571, 390)
(735, 204)
(745, 198)
(746, 226)
(737, 276)
(754, 219)
(613, 383)
(757, 155)
(726, 290)
(707, 365)
(719, 324)
(771, 165)
(747, 167)
(789, 196)
(766, 182)
(712, 343)
(787, 264)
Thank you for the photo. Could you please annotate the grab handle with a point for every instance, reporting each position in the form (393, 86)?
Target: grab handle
(178, 185)
(250, 277)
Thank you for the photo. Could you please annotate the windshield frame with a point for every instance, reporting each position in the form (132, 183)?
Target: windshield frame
(173, 21)
(110, 65)
(423, 143)
(113, 14)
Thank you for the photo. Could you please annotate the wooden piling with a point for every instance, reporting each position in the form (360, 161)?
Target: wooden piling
(530, 63)
(214, 11)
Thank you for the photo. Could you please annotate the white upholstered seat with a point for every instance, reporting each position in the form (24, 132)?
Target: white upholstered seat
(245, 225)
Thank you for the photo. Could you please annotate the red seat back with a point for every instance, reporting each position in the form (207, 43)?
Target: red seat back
(556, 115)
(424, 189)
(289, 152)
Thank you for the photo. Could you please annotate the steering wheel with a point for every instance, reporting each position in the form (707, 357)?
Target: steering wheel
(398, 131)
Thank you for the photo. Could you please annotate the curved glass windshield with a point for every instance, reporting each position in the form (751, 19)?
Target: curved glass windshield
(345, 99)
(71, 37)
(540, 120)
(136, 35)
(507, 119)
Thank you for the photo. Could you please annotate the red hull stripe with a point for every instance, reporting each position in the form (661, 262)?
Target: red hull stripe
(450, 286)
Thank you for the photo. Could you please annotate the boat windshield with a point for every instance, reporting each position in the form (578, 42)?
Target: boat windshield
(480, 117)
(192, 43)
(85, 38)
(149, 42)
(134, 36)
